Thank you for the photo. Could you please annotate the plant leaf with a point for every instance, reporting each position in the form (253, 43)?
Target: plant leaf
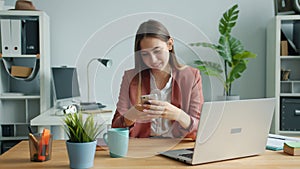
(235, 46)
(80, 130)
(205, 44)
(228, 21)
(244, 55)
(210, 69)
(236, 71)
(224, 48)
(230, 50)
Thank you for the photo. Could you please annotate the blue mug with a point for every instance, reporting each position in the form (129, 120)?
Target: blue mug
(117, 140)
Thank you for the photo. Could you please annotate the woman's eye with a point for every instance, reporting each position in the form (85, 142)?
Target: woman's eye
(158, 51)
(144, 54)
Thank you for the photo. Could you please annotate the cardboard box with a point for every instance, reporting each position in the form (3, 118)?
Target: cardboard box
(20, 71)
(284, 48)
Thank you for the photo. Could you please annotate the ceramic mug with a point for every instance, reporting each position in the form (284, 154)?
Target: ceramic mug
(117, 141)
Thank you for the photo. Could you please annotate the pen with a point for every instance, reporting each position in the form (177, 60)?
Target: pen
(34, 140)
(30, 130)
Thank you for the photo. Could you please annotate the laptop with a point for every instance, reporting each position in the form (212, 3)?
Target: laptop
(229, 130)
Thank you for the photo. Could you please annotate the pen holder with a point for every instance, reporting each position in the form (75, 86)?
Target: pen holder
(40, 147)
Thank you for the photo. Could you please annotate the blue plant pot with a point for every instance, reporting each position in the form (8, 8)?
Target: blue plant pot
(81, 155)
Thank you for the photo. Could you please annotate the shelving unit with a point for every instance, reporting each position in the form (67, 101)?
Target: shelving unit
(23, 99)
(284, 86)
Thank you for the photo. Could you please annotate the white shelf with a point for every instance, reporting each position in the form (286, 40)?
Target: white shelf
(287, 17)
(22, 13)
(13, 138)
(290, 94)
(289, 57)
(20, 56)
(19, 97)
(290, 81)
(285, 92)
(23, 99)
(14, 123)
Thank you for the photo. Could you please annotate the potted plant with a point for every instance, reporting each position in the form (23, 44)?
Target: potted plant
(229, 49)
(82, 134)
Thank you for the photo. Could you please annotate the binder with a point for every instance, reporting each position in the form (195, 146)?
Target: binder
(19, 37)
(30, 37)
(15, 36)
(5, 36)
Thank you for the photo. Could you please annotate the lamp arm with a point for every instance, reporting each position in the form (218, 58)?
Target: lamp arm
(88, 78)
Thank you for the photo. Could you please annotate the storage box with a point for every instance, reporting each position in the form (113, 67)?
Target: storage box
(6, 145)
(290, 114)
(20, 71)
(7, 130)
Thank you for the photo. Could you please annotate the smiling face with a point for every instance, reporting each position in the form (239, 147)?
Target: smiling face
(155, 53)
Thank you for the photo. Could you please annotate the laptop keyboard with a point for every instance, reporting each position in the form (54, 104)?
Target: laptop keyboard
(188, 155)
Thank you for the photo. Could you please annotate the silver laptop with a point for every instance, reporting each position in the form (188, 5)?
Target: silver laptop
(228, 130)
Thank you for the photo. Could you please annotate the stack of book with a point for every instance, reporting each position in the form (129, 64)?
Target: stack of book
(292, 148)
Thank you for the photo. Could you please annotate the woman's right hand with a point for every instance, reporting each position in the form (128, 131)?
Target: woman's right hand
(135, 113)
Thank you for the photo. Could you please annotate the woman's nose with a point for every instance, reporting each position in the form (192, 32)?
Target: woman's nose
(153, 57)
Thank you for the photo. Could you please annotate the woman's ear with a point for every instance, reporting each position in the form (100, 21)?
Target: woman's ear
(170, 43)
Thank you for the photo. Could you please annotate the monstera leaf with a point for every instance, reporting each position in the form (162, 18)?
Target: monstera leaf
(209, 68)
(239, 65)
(228, 21)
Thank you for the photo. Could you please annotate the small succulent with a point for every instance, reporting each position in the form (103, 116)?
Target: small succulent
(80, 130)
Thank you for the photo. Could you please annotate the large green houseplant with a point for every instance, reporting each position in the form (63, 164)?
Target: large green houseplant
(82, 133)
(229, 49)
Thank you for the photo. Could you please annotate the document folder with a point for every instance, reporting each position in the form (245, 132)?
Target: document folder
(30, 37)
(16, 36)
(5, 36)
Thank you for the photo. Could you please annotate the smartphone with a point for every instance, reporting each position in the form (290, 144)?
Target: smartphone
(145, 98)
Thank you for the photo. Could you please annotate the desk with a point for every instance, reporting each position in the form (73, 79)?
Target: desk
(50, 120)
(18, 157)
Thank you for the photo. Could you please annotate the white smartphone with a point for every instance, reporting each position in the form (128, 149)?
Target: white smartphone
(145, 98)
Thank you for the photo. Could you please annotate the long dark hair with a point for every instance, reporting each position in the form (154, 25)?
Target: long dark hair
(155, 29)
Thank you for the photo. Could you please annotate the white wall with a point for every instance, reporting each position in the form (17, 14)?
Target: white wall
(81, 30)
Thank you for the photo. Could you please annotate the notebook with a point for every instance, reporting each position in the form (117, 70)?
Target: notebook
(229, 130)
(276, 142)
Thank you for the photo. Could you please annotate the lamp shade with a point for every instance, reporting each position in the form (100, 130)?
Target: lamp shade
(105, 62)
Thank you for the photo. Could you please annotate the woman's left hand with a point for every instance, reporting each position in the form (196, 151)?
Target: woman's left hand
(163, 109)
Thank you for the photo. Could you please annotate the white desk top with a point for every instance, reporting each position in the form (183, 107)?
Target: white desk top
(49, 118)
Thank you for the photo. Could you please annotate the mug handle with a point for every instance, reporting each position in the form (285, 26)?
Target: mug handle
(105, 138)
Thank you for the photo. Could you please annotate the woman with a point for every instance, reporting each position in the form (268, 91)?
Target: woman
(177, 111)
